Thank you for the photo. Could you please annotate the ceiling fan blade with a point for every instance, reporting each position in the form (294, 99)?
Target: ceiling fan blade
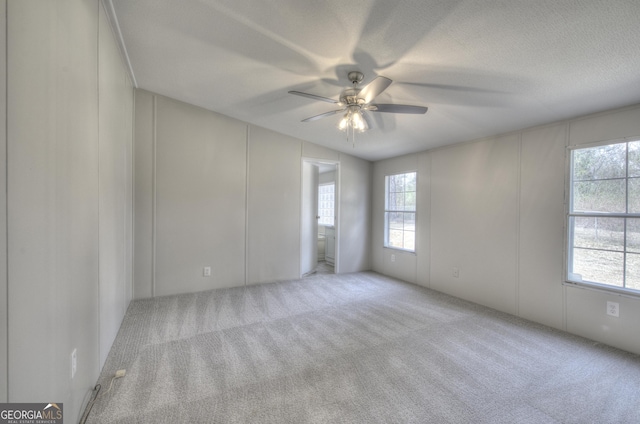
(313, 96)
(322, 115)
(397, 108)
(375, 87)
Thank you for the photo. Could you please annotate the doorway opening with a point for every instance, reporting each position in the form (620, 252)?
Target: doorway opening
(319, 220)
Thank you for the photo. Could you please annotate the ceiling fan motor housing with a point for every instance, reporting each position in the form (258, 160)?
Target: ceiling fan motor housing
(356, 101)
(349, 96)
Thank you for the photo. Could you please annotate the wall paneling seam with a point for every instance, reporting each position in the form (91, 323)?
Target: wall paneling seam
(99, 304)
(154, 197)
(124, 234)
(133, 194)
(302, 199)
(430, 165)
(115, 24)
(567, 138)
(246, 205)
(518, 227)
(6, 189)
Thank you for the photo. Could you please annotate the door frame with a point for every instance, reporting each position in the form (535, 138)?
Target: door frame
(336, 210)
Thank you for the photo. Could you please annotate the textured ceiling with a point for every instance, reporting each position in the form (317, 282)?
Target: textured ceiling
(482, 67)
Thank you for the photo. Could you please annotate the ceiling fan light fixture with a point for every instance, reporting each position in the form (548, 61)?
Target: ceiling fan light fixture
(358, 122)
(344, 122)
(353, 120)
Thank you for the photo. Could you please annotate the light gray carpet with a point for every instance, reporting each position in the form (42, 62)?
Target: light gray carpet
(355, 348)
(323, 267)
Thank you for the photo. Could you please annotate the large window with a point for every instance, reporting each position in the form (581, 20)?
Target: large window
(400, 211)
(326, 203)
(604, 216)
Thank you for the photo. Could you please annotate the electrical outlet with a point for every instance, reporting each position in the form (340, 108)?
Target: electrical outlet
(455, 272)
(393, 258)
(613, 309)
(74, 363)
(206, 271)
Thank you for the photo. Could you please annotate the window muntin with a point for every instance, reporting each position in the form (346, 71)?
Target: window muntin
(604, 216)
(400, 211)
(326, 204)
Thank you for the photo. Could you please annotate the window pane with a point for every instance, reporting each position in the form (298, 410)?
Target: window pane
(398, 183)
(599, 233)
(410, 201)
(391, 201)
(410, 181)
(326, 204)
(599, 196)
(598, 266)
(634, 159)
(400, 197)
(634, 195)
(395, 238)
(633, 235)
(409, 240)
(399, 202)
(600, 162)
(606, 250)
(633, 271)
(410, 221)
(396, 221)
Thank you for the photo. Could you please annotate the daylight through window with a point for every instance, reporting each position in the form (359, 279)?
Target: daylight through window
(604, 216)
(400, 211)
(326, 203)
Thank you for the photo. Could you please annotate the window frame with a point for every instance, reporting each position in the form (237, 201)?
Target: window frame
(386, 211)
(570, 214)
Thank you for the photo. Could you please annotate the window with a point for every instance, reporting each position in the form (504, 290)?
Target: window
(326, 202)
(604, 216)
(400, 211)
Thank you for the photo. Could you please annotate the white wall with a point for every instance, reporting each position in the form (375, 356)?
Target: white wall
(214, 191)
(474, 201)
(67, 197)
(144, 197)
(354, 215)
(115, 140)
(273, 208)
(407, 266)
(200, 198)
(308, 222)
(396, 263)
(4, 387)
(494, 208)
(541, 222)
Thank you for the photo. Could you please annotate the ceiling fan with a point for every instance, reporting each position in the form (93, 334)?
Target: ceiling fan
(357, 102)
